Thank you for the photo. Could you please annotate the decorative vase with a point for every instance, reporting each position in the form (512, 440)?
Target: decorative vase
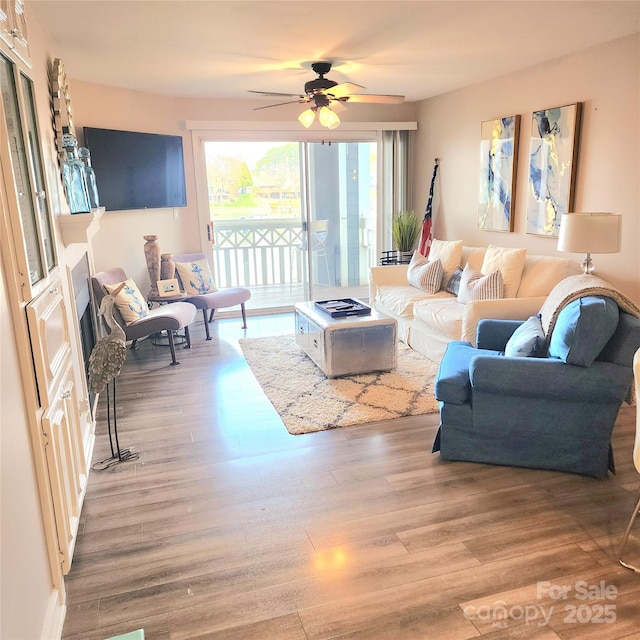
(167, 266)
(152, 256)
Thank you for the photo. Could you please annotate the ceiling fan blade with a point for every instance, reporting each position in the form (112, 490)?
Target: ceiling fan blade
(338, 106)
(370, 97)
(280, 104)
(275, 93)
(344, 89)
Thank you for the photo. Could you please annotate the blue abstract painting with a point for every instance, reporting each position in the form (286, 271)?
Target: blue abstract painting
(498, 150)
(552, 160)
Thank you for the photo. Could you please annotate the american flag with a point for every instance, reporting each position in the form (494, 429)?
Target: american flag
(426, 235)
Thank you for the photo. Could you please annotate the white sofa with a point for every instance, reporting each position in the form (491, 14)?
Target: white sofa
(427, 322)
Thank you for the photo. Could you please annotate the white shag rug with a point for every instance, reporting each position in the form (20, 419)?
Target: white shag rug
(308, 401)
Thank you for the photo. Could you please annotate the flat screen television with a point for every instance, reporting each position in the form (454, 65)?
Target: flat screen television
(137, 170)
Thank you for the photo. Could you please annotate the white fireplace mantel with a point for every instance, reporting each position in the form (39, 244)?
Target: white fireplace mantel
(80, 227)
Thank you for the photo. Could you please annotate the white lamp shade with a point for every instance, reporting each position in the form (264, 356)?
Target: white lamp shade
(590, 232)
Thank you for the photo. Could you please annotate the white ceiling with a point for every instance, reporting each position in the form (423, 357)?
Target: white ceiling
(211, 48)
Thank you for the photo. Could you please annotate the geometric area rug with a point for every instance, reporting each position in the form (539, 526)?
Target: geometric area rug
(308, 401)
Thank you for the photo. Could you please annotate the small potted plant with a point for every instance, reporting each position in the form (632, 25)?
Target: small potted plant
(405, 231)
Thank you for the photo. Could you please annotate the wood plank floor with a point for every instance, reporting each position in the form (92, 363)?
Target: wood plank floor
(227, 527)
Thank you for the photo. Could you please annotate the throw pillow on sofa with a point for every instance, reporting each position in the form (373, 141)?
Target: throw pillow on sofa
(424, 274)
(527, 341)
(452, 285)
(582, 330)
(449, 252)
(474, 285)
(510, 263)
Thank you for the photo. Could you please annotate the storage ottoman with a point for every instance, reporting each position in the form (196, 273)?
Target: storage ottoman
(349, 345)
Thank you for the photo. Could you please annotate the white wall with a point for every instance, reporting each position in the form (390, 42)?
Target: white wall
(120, 239)
(606, 79)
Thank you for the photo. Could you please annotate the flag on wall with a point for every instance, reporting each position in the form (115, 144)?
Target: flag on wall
(426, 235)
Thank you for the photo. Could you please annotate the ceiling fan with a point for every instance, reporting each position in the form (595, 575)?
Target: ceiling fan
(323, 93)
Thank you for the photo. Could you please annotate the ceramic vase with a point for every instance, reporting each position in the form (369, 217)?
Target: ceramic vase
(167, 266)
(152, 256)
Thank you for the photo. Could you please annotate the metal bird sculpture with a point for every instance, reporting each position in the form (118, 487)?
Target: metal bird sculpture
(105, 362)
(109, 353)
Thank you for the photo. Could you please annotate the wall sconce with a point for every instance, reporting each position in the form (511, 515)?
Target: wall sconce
(590, 233)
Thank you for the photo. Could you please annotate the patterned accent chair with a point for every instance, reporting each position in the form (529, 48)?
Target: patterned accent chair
(167, 317)
(551, 412)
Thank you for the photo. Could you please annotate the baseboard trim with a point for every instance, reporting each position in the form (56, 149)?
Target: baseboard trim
(54, 618)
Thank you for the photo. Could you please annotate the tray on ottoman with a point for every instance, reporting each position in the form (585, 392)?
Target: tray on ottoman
(340, 308)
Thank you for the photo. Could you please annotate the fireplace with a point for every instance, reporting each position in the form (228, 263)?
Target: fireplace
(81, 291)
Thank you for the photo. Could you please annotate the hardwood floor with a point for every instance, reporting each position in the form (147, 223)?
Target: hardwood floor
(227, 527)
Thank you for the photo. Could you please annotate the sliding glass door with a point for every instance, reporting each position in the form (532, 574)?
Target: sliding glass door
(293, 220)
(341, 218)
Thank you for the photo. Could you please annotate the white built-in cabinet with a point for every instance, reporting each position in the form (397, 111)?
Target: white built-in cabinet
(13, 28)
(65, 413)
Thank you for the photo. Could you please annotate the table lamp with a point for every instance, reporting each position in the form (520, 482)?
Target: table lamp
(590, 233)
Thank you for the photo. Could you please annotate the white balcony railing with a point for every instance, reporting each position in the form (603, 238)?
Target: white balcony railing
(258, 252)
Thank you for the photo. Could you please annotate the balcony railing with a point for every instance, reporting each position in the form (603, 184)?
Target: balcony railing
(258, 252)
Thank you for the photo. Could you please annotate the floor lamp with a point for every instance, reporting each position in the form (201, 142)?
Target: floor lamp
(590, 233)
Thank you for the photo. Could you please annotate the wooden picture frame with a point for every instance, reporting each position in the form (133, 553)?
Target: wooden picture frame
(498, 157)
(553, 155)
(168, 288)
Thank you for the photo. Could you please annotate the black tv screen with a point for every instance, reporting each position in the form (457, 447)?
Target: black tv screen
(136, 170)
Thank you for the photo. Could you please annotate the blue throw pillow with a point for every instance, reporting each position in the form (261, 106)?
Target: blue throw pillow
(582, 330)
(453, 284)
(527, 340)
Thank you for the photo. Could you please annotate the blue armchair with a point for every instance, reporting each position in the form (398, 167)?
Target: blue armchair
(554, 412)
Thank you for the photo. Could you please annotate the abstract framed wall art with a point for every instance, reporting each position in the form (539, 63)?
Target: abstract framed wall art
(498, 151)
(552, 166)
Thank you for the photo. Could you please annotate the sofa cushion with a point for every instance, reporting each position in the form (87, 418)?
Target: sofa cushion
(527, 341)
(452, 380)
(473, 256)
(476, 286)
(582, 329)
(441, 315)
(449, 252)
(541, 273)
(399, 300)
(510, 263)
(424, 274)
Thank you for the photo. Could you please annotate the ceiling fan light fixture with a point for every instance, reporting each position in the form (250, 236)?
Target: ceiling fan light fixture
(328, 118)
(307, 117)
